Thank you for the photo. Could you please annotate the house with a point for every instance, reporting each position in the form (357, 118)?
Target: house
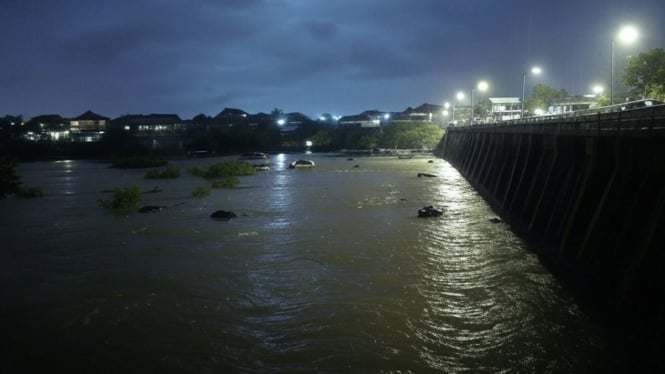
(145, 125)
(425, 112)
(88, 127)
(48, 127)
(153, 131)
(366, 119)
(505, 108)
(570, 104)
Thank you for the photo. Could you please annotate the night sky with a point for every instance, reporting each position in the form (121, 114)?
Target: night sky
(312, 56)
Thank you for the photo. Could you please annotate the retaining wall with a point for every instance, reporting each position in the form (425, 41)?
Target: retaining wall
(595, 199)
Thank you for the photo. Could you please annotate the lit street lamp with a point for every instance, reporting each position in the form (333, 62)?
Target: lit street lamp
(482, 86)
(534, 70)
(627, 34)
(460, 97)
(597, 89)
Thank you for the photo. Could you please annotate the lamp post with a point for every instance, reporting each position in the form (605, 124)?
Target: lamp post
(445, 112)
(460, 97)
(627, 34)
(534, 70)
(482, 86)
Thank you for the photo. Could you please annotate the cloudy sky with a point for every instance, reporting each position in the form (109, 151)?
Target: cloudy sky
(311, 56)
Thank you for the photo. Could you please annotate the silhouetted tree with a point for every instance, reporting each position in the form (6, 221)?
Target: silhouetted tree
(276, 114)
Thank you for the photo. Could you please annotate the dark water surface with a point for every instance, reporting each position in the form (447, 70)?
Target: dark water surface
(324, 270)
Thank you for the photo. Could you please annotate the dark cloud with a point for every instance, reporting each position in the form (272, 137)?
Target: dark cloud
(342, 56)
(321, 30)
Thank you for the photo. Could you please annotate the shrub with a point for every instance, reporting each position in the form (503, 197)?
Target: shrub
(224, 169)
(228, 182)
(201, 192)
(168, 172)
(9, 180)
(29, 192)
(124, 199)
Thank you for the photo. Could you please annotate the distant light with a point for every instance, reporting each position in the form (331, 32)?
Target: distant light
(386, 116)
(536, 70)
(281, 121)
(308, 143)
(127, 127)
(445, 112)
(598, 89)
(446, 105)
(460, 95)
(483, 86)
(322, 118)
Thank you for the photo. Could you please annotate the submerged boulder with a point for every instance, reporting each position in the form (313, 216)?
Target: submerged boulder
(223, 215)
(151, 208)
(430, 211)
(428, 175)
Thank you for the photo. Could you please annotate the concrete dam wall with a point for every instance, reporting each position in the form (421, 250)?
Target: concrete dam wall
(591, 189)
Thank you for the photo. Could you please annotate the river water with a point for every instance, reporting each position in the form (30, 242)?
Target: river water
(324, 270)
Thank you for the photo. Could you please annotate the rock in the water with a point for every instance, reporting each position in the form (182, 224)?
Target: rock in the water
(223, 215)
(151, 208)
(430, 211)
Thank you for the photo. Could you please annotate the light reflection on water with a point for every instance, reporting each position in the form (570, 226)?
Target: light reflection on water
(326, 269)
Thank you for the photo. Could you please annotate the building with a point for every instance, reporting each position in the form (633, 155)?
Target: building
(366, 119)
(424, 113)
(150, 124)
(88, 127)
(153, 131)
(570, 104)
(505, 108)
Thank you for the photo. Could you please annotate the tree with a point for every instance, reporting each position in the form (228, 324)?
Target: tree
(276, 114)
(322, 139)
(411, 135)
(543, 96)
(645, 74)
(600, 101)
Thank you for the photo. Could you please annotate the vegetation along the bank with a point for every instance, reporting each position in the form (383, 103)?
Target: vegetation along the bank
(10, 181)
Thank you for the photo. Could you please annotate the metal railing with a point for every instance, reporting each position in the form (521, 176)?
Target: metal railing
(647, 121)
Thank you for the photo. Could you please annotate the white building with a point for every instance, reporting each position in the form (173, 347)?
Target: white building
(505, 108)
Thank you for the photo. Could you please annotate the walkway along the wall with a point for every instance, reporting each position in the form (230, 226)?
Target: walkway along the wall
(591, 189)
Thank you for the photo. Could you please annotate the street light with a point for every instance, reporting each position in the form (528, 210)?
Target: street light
(460, 97)
(627, 34)
(597, 89)
(535, 71)
(482, 86)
